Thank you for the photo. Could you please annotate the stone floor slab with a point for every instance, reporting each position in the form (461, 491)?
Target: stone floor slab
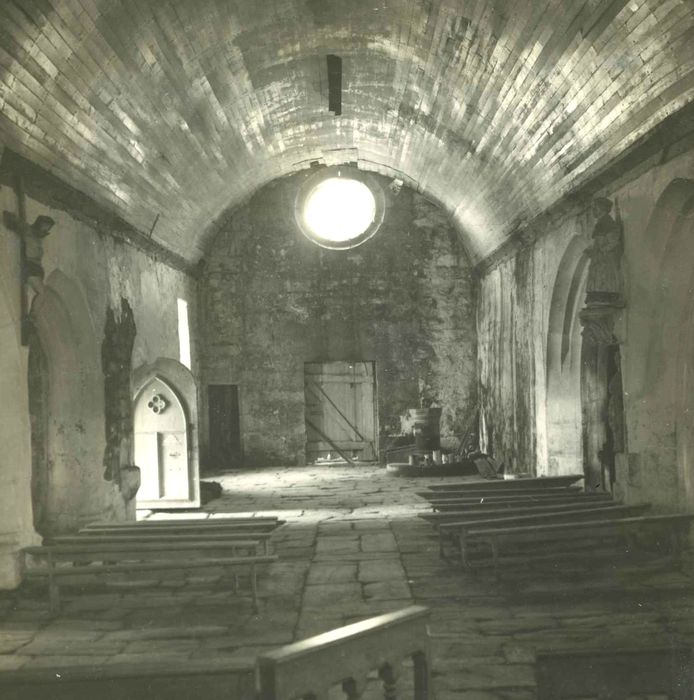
(353, 547)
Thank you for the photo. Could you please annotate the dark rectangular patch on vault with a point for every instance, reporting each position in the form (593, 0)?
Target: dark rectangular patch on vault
(335, 84)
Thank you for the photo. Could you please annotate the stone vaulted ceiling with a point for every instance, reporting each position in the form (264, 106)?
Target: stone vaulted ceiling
(184, 107)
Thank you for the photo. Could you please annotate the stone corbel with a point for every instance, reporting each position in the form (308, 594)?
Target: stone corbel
(599, 323)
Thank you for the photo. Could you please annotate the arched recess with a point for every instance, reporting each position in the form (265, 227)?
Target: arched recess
(673, 289)
(659, 236)
(169, 477)
(564, 444)
(74, 435)
(666, 406)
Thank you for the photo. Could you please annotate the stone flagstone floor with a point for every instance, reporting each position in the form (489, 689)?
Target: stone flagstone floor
(352, 548)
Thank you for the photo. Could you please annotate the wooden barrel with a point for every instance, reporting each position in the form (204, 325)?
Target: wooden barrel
(427, 436)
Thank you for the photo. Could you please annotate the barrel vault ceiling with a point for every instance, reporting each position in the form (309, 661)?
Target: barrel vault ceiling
(182, 108)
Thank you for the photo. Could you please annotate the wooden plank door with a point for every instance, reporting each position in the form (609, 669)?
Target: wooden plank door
(340, 410)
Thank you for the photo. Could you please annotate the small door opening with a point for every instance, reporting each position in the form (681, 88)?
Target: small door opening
(224, 422)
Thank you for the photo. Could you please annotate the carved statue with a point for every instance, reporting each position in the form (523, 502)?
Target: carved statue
(32, 238)
(605, 284)
(33, 242)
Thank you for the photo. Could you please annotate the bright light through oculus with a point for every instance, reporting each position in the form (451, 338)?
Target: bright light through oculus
(339, 209)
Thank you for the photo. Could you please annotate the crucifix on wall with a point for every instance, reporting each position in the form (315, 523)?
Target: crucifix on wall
(31, 253)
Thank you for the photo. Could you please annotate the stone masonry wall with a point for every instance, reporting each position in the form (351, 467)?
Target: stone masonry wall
(87, 272)
(273, 300)
(531, 400)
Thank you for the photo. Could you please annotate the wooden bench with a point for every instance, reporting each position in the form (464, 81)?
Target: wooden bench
(493, 510)
(670, 529)
(543, 482)
(197, 522)
(54, 562)
(209, 679)
(346, 656)
(616, 674)
(260, 539)
(477, 494)
(486, 493)
(462, 530)
(193, 526)
(442, 522)
(445, 504)
(247, 528)
(304, 669)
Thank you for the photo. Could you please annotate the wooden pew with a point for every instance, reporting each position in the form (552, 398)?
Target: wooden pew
(209, 679)
(462, 530)
(618, 674)
(543, 482)
(193, 522)
(446, 523)
(346, 655)
(478, 494)
(521, 493)
(448, 504)
(513, 499)
(247, 528)
(260, 539)
(670, 530)
(54, 562)
(307, 668)
(494, 510)
(260, 529)
(208, 526)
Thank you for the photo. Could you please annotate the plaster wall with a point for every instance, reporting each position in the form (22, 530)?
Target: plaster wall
(272, 300)
(87, 271)
(16, 526)
(529, 335)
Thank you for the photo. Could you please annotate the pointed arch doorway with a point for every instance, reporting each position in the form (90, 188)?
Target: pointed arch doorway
(162, 449)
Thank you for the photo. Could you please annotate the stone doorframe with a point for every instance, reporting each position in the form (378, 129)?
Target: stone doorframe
(182, 382)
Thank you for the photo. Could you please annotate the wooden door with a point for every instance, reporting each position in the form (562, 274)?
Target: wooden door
(340, 410)
(224, 427)
(161, 449)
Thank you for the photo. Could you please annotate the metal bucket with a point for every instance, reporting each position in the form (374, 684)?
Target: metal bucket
(427, 436)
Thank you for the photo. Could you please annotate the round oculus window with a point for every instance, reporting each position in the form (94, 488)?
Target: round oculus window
(337, 209)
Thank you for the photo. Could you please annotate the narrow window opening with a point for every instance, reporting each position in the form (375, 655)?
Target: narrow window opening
(335, 84)
(183, 334)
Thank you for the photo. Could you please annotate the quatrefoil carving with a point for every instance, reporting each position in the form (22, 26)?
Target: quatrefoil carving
(157, 404)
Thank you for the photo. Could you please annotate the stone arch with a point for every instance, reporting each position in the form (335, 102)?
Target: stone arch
(658, 362)
(563, 413)
(178, 378)
(642, 318)
(664, 405)
(74, 435)
(673, 284)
